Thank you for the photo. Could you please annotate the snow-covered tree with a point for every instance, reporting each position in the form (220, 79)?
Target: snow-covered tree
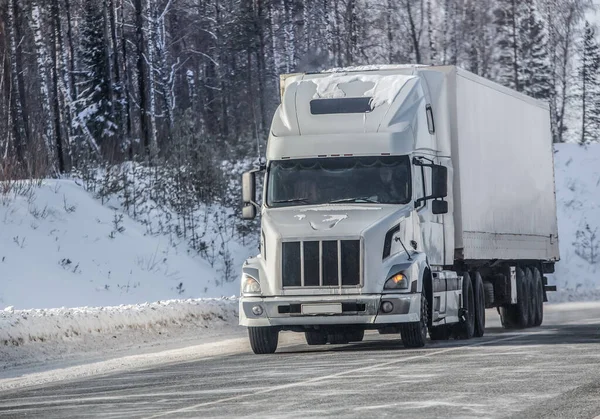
(589, 95)
(506, 18)
(534, 70)
(95, 104)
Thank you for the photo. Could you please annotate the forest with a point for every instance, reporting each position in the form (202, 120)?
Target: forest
(194, 83)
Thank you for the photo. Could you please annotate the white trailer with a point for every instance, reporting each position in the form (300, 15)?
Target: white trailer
(404, 199)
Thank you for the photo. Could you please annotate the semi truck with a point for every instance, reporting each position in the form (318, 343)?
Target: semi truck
(405, 199)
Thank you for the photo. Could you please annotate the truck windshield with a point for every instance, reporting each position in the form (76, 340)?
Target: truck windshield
(369, 179)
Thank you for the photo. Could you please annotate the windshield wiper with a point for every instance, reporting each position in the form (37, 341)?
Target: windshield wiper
(283, 201)
(359, 199)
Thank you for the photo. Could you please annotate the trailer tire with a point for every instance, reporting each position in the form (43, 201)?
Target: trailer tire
(479, 294)
(315, 337)
(263, 340)
(466, 328)
(440, 332)
(531, 297)
(539, 293)
(522, 307)
(414, 335)
(509, 316)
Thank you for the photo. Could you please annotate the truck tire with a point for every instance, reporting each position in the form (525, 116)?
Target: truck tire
(508, 316)
(488, 289)
(522, 307)
(479, 294)
(440, 332)
(539, 293)
(315, 337)
(531, 297)
(414, 335)
(355, 335)
(263, 340)
(465, 329)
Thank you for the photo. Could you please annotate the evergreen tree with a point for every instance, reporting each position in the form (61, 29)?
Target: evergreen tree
(590, 86)
(94, 99)
(506, 17)
(534, 72)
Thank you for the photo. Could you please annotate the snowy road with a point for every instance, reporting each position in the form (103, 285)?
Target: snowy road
(552, 371)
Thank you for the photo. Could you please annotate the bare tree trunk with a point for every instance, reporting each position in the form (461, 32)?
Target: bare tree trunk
(389, 31)
(351, 38)
(305, 26)
(20, 117)
(289, 36)
(42, 67)
(414, 36)
(141, 76)
(125, 87)
(515, 42)
(152, 13)
(57, 40)
(73, 87)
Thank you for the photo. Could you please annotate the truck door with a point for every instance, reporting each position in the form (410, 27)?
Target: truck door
(431, 225)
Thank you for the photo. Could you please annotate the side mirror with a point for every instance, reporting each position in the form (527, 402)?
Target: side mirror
(439, 207)
(439, 181)
(249, 188)
(249, 212)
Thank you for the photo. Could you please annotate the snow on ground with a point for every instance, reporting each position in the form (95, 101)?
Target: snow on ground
(577, 176)
(35, 339)
(59, 246)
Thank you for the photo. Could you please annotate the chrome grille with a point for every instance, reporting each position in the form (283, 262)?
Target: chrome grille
(326, 263)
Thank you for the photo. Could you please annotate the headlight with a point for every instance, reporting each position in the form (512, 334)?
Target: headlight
(251, 285)
(398, 281)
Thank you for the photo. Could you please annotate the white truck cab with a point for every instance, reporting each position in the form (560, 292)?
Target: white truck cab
(377, 214)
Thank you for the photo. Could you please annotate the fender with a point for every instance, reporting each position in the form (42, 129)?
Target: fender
(414, 268)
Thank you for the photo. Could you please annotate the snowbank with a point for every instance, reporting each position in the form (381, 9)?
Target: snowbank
(19, 327)
(41, 335)
(59, 246)
(577, 176)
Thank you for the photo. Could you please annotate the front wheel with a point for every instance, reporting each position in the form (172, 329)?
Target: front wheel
(414, 335)
(263, 340)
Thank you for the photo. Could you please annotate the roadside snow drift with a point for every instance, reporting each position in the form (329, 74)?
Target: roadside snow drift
(59, 246)
(20, 327)
(577, 176)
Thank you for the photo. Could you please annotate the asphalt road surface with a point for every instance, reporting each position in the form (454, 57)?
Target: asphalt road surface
(548, 372)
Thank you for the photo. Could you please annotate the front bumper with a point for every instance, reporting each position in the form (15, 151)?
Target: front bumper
(356, 309)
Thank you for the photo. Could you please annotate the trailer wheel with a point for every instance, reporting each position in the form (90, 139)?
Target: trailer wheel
(466, 328)
(315, 337)
(263, 340)
(531, 297)
(522, 307)
(539, 293)
(479, 295)
(414, 335)
(440, 332)
(508, 316)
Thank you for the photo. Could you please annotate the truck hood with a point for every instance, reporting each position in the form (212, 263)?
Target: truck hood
(332, 220)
